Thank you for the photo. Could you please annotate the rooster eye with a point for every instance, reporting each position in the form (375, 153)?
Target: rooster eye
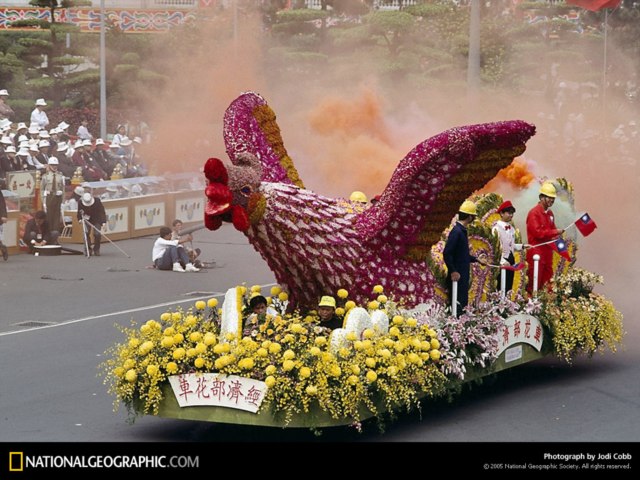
(246, 191)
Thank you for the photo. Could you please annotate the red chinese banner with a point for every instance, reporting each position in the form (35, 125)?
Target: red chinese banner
(595, 5)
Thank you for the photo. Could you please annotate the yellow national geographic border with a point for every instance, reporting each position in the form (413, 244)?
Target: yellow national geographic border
(12, 467)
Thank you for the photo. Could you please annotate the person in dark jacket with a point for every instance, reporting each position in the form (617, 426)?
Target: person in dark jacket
(327, 313)
(3, 219)
(457, 256)
(92, 211)
(37, 232)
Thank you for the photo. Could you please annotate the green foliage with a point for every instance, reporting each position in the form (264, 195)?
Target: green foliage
(300, 15)
(83, 78)
(31, 22)
(384, 22)
(34, 43)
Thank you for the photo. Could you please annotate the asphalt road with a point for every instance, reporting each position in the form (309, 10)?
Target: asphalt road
(50, 391)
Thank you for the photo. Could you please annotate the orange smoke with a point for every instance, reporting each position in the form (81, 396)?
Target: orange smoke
(358, 116)
(352, 143)
(516, 175)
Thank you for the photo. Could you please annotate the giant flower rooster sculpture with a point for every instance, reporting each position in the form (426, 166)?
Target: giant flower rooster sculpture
(315, 244)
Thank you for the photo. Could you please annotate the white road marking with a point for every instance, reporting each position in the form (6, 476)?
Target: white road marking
(122, 312)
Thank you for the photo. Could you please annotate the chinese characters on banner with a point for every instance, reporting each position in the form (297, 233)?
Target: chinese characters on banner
(520, 328)
(218, 390)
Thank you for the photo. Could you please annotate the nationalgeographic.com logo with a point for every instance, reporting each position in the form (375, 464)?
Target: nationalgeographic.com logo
(16, 461)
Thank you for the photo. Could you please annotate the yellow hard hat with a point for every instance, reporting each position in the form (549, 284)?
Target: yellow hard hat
(358, 197)
(327, 301)
(548, 190)
(468, 207)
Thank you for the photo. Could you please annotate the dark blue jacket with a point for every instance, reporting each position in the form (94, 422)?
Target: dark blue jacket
(456, 253)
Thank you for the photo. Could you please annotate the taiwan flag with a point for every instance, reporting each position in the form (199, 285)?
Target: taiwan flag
(595, 5)
(586, 225)
(560, 246)
(513, 268)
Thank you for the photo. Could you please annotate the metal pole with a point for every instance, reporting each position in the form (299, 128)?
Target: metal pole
(454, 298)
(503, 282)
(604, 67)
(536, 262)
(103, 76)
(473, 67)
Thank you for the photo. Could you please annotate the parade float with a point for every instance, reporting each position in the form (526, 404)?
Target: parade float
(399, 345)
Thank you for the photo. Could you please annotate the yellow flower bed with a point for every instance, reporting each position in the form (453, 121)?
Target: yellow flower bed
(291, 354)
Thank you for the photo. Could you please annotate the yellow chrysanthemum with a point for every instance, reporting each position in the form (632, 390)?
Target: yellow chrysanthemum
(412, 322)
(172, 367)
(178, 338)
(270, 381)
(179, 353)
(340, 311)
(373, 305)
(350, 304)
(212, 302)
(371, 376)
(378, 289)
(275, 290)
(169, 331)
(256, 288)
(195, 336)
(283, 296)
(382, 299)
(320, 341)
(152, 370)
(342, 293)
(119, 371)
(131, 375)
(435, 355)
(435, 344)
(209, 338)
(270, 370)
(199, 362)
(305, 372)
(165, 317)
(288, 365)
(311, 390)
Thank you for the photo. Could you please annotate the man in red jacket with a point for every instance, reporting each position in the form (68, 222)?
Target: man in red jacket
(541, 228)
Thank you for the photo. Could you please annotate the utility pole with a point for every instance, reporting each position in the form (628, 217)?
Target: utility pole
(103, 76)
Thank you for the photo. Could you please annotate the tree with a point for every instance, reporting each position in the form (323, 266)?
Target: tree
(62, 75)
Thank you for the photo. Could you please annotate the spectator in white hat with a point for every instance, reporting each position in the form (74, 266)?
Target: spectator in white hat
(39, 116)
(52, 188)
(34, 151)
(103, 157)
(92, 211)
(5, 110)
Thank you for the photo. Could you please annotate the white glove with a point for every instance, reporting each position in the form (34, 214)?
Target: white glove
(86, 217)
(58, 193)
(503, 262)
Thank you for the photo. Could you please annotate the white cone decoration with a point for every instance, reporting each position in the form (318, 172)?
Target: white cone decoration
(380, 321)
(358, 321)
(231, 316)
(338, 339)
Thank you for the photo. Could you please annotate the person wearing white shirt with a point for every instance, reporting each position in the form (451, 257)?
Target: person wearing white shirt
(39, 116)
(506, 233)
(167, 256)
(83, 131)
